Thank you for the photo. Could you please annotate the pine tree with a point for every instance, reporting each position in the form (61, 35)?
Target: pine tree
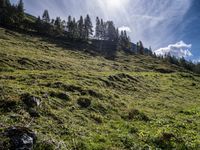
(140, 48)
(124, 41)
(6, 11)
(70, 27)
(117, 34)
(45, 16)
(74, 29)
(98, 28)
(150, 52)
(88, 27)
(58, 25)
(5, 3)
(20, 14)
(102, 30)
(81, 28)
(20, 6)
(111, 31)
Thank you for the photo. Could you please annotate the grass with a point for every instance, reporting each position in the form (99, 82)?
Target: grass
(131, 102)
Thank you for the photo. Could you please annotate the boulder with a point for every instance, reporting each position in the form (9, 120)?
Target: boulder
(30, 100)
(21, 138)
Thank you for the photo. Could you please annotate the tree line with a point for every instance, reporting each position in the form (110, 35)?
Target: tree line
(13, 16)
(182, 62)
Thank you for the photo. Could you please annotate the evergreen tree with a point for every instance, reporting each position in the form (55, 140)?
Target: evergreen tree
(140, 48)
(111, 31)
(70, 27)
(81, 28)
(5, 4)
(124, 41)
(20, 6)
(88, 27)
(74, 29)
(58, 25)
(117, 34)
(102, 29)
(150, 52)
(98, 28)
(45, 16)
(6, 12)
(20, 16)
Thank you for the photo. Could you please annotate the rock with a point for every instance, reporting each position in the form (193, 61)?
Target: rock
(30, 101)
(21, 138)
(34, 113)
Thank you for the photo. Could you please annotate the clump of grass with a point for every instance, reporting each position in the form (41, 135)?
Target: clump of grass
(136, 114)
(97, 117)
(84, 102)
(60, 95)
(165, 141)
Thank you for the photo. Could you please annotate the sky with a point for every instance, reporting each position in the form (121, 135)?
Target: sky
(165, 25)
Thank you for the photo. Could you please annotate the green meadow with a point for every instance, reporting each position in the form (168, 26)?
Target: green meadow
(89, 102)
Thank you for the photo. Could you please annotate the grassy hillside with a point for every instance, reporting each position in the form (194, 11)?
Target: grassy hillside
(89, 102)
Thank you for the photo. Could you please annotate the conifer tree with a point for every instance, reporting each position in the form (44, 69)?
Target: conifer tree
(117, 34)
(20, 6)
(140, 47)
(5, 3)
(88, 27)
(74, 29)
(70, 27)
(98, 28)
(111, 31)
(58, 25)
(102, 30)
(81, 28)
(19, 19)
(45, 16)
(5, 12)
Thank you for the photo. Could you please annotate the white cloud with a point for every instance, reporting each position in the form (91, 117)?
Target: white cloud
(196, 60)
(125, 28)
(179, 49)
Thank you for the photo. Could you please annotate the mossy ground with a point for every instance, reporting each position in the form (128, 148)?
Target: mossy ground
(130, 103)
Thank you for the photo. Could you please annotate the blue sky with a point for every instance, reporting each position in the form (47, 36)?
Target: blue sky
(165, 25)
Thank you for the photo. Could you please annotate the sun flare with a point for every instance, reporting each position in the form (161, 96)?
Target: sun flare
(113, 3)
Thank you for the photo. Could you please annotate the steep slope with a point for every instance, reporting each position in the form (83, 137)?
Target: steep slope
(89, 102)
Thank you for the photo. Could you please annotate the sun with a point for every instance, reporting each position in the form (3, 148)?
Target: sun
(113, 4)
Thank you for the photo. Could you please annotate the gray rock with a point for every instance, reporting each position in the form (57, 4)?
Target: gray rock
(31, 101)
(21, 138)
